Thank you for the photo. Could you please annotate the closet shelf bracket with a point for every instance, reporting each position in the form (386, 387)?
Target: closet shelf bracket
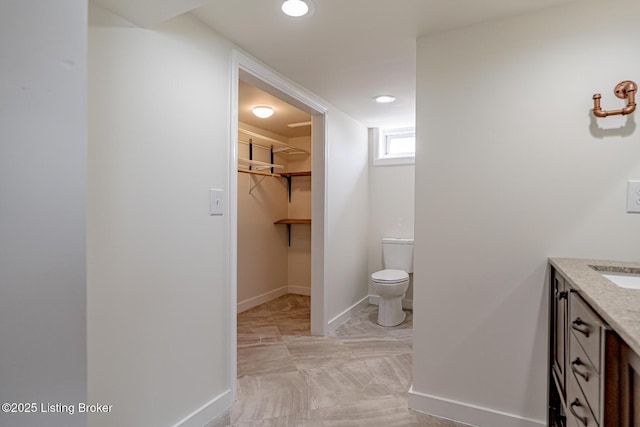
(288, 176)
(288, 222)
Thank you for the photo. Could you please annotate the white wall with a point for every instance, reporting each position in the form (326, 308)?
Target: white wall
(262, 246)
(511, 169)
(42, 202)
(391, 208)
(347, 221)
(158, 275)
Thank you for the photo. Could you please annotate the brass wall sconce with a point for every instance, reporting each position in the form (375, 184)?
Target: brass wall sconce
(623, 90)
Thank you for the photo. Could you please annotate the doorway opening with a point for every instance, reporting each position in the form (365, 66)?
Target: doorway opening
(276, 198)
(274, 203)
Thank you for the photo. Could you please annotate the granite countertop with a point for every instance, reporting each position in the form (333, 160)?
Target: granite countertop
(619, 307)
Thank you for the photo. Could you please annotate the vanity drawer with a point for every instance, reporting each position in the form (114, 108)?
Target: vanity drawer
(585, 374)
(578, 412)
(586, 326)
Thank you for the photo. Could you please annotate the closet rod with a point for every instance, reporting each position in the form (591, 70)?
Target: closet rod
(255, 172)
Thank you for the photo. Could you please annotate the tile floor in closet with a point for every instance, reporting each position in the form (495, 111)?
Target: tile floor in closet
(359, 375)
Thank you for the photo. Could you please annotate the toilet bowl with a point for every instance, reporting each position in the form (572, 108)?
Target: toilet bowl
(391, 286)
(391, 283)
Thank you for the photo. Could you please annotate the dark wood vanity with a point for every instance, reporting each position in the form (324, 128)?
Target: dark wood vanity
(594, 376)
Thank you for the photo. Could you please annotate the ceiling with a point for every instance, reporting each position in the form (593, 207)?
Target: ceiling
(347, 51)
(284, 114)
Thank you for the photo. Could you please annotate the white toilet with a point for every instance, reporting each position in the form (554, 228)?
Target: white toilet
(391, 283)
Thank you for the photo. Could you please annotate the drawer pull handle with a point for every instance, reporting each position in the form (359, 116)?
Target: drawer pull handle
(560, 295)
(576, 402)
(576, 326)
(575, 370)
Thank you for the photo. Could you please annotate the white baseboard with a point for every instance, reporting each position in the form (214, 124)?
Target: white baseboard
(299, 290)
(346, 315)
(207, 412)
(261, 299)
(406, 303)
(466, 413)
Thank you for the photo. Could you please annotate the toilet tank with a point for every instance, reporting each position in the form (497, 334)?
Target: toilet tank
(397, 254)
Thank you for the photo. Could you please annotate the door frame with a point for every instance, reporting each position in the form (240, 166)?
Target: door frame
(253, 72)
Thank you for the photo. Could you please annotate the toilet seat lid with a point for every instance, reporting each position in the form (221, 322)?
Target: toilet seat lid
(390, 276)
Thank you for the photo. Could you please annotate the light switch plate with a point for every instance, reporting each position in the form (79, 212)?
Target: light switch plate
(215, 202)
(633, 197)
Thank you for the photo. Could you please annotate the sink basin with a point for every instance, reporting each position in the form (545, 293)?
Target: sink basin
(624, 280)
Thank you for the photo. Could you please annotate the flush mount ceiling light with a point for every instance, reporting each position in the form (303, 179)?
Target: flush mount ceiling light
(262, 111)
(384, 99)
(296, 8)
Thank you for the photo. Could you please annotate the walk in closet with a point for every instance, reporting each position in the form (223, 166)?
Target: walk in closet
(274, 200)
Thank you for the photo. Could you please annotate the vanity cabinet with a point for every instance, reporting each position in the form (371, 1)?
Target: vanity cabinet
(559, 310)
(629, 387)
(585, 359)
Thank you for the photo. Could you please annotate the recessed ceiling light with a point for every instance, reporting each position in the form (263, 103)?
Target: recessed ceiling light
(262, 111)
(296, 8)
(384, 99)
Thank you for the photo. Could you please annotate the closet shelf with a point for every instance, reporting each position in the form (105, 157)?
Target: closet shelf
(268, 142)
(305, 173)
(293, 221)
(289, 221)
(258, 165)
(290, 150)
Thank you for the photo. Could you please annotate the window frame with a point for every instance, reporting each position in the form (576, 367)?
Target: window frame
(382, 158)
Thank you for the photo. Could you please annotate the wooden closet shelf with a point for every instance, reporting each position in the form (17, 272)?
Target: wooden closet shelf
(293, 221)
(304, 173)
(289, 221)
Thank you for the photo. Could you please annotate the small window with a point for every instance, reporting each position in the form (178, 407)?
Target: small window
(395, 147)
